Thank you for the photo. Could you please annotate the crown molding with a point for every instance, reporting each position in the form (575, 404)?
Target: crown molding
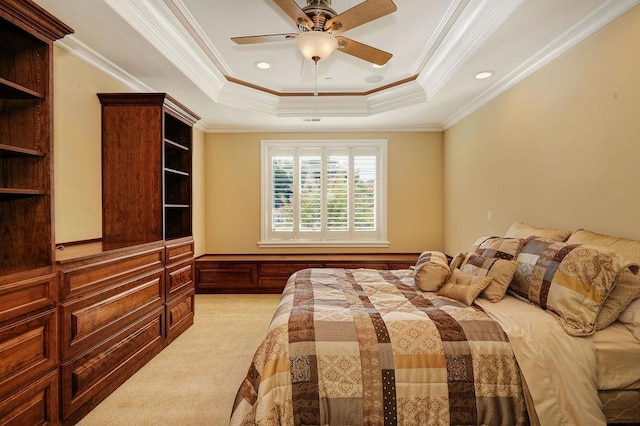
(597, 19)
(473, 25)
(410, 93)
(323, 106)
(158, 25)
(239, 96)
(84, 53)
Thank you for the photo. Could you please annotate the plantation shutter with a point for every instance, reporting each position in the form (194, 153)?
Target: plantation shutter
(325, 192)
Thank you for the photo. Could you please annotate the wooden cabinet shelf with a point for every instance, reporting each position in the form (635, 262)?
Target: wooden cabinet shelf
(10, 90)
(13, 193)
(16, 151)
(177, 172)
(175, 145)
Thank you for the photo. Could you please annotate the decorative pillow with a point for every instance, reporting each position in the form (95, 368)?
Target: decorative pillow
(457, 260)
(630, 317)
(625, 291)
(628, 249)
(464, 287)
(500, 247)
(570, 281)
(522, 230)
(500, 270)
(627, 288)
(431, 270)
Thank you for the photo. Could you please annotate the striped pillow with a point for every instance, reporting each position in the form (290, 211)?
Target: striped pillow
(500, 247)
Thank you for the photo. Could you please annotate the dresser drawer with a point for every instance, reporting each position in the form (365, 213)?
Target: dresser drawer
(178, 251)
(90, 377)
(35, 404)
(93, 318)
(28, 349)
(213, 276)
(178, 278)
(84, 276)
(24, 296)
(285, 269)
(180, 314)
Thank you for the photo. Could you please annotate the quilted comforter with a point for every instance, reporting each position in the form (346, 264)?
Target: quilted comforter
(352, 347)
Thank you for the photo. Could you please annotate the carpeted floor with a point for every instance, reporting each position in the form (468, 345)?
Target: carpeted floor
(194, 380)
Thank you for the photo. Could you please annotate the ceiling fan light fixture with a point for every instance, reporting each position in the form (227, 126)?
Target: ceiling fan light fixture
(316, 45)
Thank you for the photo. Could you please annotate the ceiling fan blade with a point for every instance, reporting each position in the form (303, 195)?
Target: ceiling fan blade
(296, 13)
(359, 14)
(264, 38)
(363, 51)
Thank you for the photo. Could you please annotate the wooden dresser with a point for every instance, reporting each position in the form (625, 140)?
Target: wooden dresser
(255, 273)
(118, 308)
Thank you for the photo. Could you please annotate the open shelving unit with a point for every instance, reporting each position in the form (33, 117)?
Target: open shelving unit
(147, 150)
(26, 232)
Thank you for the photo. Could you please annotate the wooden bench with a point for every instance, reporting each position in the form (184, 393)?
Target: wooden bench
(268, 273)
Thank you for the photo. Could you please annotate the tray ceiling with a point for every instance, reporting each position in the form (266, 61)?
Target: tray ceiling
(184, 48)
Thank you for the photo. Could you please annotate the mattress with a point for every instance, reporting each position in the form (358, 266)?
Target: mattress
(618, 358)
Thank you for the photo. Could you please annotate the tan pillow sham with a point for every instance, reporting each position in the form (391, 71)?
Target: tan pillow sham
(524, 231)
(627, 287)
(464, 287)
(628, 249)
(570, 281)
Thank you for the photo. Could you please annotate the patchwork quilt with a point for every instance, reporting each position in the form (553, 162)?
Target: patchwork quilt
(352, 347)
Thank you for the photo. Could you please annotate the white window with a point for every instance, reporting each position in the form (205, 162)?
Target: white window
(323, 193)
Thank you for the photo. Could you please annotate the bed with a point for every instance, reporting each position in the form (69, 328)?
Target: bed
(513, 344)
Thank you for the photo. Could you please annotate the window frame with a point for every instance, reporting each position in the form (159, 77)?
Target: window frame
(303, 239)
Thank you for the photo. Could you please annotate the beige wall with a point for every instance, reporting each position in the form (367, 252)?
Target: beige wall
(225, 165)
(77, 157)
(414, 191)
(560, 149)
(199, 192)
(77, 152)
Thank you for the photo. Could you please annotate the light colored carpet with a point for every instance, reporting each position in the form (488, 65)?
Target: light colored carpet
(193, 381)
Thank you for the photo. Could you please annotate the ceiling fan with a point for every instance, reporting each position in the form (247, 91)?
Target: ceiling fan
(319, 27)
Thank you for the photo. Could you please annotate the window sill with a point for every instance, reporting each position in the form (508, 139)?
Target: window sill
(268, 244)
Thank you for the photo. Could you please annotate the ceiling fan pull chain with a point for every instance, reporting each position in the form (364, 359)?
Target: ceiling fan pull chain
(315, 76)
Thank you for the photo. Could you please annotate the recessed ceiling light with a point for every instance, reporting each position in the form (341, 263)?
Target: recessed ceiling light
(378, 66)
(484, 74)
(374, 79)
(263, 65)
(328, 79)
